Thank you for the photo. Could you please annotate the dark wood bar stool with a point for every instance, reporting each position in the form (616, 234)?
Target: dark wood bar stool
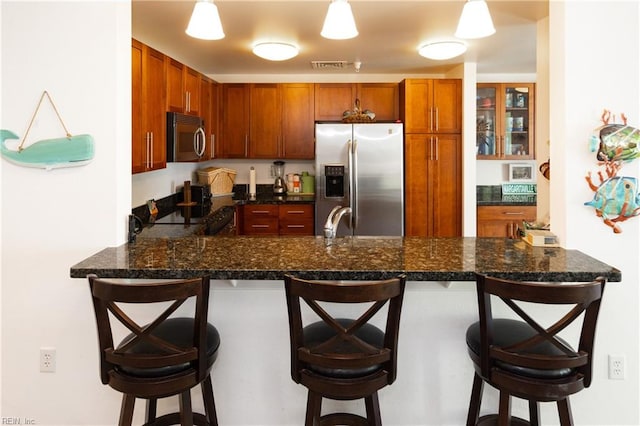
(522, 358)
(343, 358)
(167, 356)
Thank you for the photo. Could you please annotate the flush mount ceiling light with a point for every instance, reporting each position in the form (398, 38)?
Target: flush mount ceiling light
(475, 20)
(339, 23)
(440, 50)
(205, 21)
(274, 51)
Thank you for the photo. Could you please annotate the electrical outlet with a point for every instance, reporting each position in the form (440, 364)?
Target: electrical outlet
(47, 360)
(616, 367)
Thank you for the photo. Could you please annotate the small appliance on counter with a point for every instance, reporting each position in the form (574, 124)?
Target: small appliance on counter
(280, 185)
(201, 200)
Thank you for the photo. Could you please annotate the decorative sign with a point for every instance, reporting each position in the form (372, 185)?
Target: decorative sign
(68, 151)
(519, 188)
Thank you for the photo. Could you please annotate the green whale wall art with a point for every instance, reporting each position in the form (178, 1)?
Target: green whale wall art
(71, 151)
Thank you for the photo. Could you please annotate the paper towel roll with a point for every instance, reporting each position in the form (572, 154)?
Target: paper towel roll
(252, 181)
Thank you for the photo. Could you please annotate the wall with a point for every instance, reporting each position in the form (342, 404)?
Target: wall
(50, 220)
(580, 88)
(79, 52)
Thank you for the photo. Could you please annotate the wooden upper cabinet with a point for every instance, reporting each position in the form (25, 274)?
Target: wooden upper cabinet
(209, 112)
(505, 121)
(265, 122)
(298, 130)
(148, 117)
(333, 99)
(431, 106)
(183, 88)
(234, 137)
(381, 98)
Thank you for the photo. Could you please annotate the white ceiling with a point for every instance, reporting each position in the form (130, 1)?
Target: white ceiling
(390, 33)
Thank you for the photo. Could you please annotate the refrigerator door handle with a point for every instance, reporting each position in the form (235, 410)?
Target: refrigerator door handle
(354, 187)
(352, 181)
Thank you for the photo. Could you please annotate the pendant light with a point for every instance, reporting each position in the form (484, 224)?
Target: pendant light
(475, 20)
(339, 23)
(205, 21)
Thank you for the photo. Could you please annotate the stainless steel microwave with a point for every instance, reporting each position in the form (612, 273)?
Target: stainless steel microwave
(186, 140)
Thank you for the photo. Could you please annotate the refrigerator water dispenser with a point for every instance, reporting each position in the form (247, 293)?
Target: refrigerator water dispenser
(334, 181)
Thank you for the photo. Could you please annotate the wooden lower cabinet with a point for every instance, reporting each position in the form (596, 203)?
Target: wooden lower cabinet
(433, 185)
(296, 219)
(503, 221)
(273, 219)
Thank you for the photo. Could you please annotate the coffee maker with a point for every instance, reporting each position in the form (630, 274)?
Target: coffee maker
(280, 184)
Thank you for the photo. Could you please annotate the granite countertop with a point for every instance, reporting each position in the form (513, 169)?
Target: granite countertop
(349, 258)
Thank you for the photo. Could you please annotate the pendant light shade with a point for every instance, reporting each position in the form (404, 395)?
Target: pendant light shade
(339, 23)
(475, 20)
(441, 50)
(275, 51)
(205, 21)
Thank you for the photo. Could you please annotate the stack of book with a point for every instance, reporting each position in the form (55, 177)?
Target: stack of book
(540, 238)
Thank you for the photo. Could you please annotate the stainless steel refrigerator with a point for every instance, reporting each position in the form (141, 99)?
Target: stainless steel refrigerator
(360, 166)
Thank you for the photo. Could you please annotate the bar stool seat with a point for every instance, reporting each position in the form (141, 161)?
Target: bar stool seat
(343, 358)
(166, 356)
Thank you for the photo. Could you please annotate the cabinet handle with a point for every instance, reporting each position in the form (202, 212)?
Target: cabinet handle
(436, 142)
(259, 211)
(513, 213)
(437, 119)
(431, 119)
(246, 142)
(295, 226)
(295, 212)
(212, 154)
(188, 101)
(151, 156)
(146, 150)
(259, 226)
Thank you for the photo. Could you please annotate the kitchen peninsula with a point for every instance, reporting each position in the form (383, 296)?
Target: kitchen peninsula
(348, 258)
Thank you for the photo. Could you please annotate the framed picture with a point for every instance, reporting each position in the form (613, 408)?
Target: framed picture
(521, 172)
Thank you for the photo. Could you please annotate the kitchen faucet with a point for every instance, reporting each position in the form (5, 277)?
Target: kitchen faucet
(331, 225)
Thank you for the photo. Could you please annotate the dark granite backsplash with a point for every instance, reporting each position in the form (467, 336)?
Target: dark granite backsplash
(491, 195)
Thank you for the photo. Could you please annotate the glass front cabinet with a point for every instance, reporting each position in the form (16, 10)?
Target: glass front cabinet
(505, 121)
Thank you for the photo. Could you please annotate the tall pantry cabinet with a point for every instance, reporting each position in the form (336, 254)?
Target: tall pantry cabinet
(432, 114)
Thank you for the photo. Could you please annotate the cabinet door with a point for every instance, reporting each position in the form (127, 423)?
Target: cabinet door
(505, 121)
(381, 98)
(332, 99)
(265, 123)
(235, 121)
(192, 91)
(205, 112)
(447, 106)
(433, 203)
(148, 146)
(297, 121)
(175, 91)
(138, 136)
(416, 95)
(432, 106)
(155, 116)
(445, 184)
(416, 156)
